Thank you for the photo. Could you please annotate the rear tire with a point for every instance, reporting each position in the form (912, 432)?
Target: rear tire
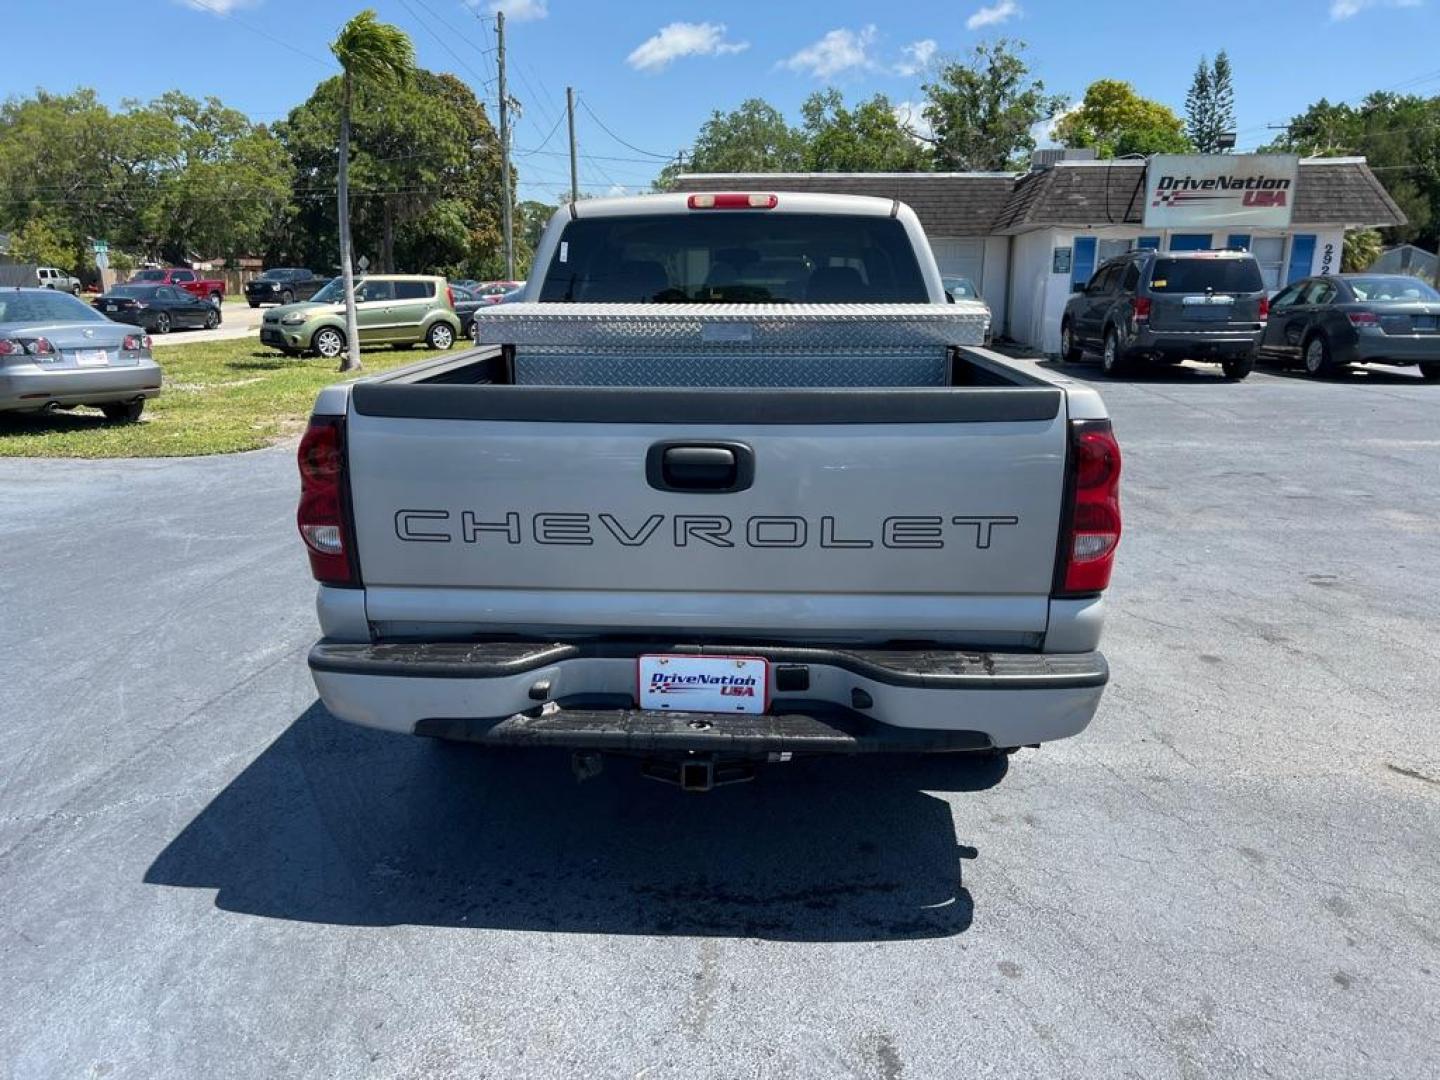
(254, 304)
(328, 342)
(1318, 364)
(1430, 372)
(1238, 367)
(1113, 360)
(440, 336)
(1070, 350)
(123, 412)
(287, 297)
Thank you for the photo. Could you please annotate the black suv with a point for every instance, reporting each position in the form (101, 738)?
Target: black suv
(1167, 306)
(283, 286)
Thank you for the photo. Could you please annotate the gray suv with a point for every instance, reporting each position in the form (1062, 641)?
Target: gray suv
(1168, 306)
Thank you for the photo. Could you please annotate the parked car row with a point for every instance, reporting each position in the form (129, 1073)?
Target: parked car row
(1164, 307)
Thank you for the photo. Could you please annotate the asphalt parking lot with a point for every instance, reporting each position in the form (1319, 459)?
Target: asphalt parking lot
(1234, 872)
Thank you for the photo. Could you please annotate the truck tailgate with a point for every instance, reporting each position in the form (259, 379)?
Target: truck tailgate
(848, 515)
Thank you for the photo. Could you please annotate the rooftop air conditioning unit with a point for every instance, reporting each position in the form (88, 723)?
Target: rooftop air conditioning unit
(1043, 159)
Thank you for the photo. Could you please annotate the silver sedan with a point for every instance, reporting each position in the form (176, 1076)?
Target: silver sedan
(56, 352)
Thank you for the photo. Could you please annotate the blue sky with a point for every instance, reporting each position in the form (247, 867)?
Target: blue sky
(651, 72)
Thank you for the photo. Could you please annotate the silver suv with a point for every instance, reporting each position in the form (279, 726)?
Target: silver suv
(1167, 307)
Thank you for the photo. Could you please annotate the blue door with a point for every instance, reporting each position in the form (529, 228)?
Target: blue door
(1190, 241)
(1302, 253)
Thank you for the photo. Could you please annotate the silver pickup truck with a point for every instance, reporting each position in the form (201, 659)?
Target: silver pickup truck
(726, 486)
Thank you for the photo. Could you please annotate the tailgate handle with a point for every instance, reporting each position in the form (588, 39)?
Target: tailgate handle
(703, 468)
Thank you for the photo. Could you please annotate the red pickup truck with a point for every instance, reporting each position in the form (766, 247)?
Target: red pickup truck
(189, 280)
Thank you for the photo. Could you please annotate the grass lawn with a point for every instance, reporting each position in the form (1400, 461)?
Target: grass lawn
(218, 397)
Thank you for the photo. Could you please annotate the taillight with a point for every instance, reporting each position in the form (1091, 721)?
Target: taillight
(1092, 529)
(1264, 308)
(1363, 318)
(730, 201)
(1141, 304)
(324, 516)
(10, 347)
(450, 297)
(42, 347)
(133, 342)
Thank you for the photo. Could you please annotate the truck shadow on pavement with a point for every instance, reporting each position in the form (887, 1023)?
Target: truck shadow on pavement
(337, 824)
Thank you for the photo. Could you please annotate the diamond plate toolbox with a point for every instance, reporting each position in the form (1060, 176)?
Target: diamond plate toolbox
(791, 345)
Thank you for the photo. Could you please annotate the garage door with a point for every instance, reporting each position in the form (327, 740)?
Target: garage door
(960, 258)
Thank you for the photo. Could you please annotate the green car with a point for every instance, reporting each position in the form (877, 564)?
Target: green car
(390, 309)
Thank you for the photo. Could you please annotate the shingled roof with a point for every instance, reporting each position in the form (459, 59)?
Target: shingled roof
(1329, 191)
(1336, 191)
(947, 204)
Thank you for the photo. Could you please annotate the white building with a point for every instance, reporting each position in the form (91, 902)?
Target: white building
(1029, 240)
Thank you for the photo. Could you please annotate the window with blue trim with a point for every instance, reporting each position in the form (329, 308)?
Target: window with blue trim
(1082, 264)
(1148, 243)
(1238, 241)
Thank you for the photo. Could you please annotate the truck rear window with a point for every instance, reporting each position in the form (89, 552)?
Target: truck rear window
(734, 257)
(1198, 275)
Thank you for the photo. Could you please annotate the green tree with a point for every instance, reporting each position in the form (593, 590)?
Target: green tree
(752, 138)
(226, 181)
(39, 241)
(532, 217)
(1360, 250)
(1210, 104)
(87, 172)
(424, 176)
(1399, 134)
(1114, 120)
(869, 138)
(982, 109)
(375, 54)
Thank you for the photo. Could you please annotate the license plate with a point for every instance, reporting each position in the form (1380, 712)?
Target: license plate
(110, 307)
(92, 357)
(738, 684)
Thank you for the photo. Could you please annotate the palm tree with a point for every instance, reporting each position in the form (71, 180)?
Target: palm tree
(378, 54)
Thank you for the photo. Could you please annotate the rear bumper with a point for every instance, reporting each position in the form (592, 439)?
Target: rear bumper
(1196, 344)
(1400, 349)
(582, 696)
(34, 388)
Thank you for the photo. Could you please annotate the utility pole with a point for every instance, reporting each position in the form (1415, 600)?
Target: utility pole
(570, 113)
(505, 209)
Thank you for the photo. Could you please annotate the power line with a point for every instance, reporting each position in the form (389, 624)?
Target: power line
(443, 43)
(629, 146)
(543, 142)
(231, 16)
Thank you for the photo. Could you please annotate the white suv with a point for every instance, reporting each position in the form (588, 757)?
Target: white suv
(51, 278)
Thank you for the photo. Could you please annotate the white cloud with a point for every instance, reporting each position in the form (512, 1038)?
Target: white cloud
(837, 51)
(997, 13)
(682, 39)
(918, 55)
(910, 115)
(1044, 132)
(219, 7)
(520, 10)
(1340, 10)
